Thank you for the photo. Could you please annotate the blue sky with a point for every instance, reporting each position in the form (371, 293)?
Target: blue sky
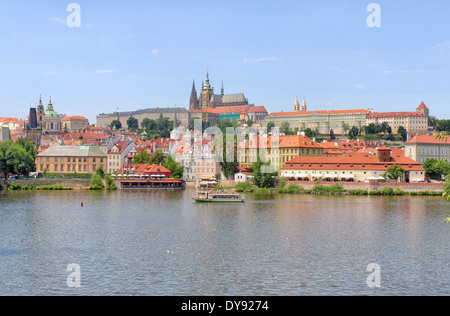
(139, 54)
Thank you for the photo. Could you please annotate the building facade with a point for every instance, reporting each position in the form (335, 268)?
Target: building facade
(276, 150)
(117, 155)
(173, 114)
(71, 159)
(422, 147)
(74, 124)
(363, 167)
(320, 121)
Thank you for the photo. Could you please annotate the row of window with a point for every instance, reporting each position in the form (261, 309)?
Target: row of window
(67, 168)
(62, 159)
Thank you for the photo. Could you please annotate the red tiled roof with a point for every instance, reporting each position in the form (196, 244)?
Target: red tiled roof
(320, 112)
(67, 118)
(422, 106)
(395, 114)
(350, 162)
(147, 169)
(428, 139)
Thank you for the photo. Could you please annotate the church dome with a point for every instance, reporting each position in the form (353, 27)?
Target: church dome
(50, 114)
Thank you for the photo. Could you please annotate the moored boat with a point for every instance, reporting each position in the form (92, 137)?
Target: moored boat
(218, 197)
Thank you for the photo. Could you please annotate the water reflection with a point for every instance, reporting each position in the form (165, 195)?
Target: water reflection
(162, 243)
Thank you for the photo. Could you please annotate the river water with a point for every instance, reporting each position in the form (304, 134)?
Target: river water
(161, 243)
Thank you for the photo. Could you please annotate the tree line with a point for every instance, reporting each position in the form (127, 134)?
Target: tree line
(17, 158)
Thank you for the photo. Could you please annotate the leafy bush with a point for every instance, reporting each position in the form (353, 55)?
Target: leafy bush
(110, 185)
(244, 187)
(96, 183)
(291, 189)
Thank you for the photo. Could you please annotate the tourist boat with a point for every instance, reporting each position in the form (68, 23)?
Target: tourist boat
(218, 197)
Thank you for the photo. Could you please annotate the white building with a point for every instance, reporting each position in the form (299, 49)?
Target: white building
(422, 147)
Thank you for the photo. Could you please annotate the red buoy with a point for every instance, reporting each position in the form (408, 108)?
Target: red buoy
(82, 204)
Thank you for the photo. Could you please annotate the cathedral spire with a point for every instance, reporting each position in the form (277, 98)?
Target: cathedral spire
(193, 102)
(296, 105)
(222, 91)
(304, 108)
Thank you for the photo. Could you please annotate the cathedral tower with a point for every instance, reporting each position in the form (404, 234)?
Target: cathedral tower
(193, 102)
(206, 95)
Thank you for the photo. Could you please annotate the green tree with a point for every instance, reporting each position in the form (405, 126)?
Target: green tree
(270, 127)
(285, 128)
(332, 135)
(14, 158)
(110, 184)
(261, 177)
(133, 123)
(395, 172)
(142, 158)
(116, 124)
(100, 172)
(157, 158)
(174, 167)
(148, 124)
(354, 132)
(403, 133)
(96, 183)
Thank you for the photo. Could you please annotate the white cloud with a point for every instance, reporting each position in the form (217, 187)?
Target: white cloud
(105, 71)
(258, 60)
(440, 46)
(49, 73)
(155, 52)
(360, 86)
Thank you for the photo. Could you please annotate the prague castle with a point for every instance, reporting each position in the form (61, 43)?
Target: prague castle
(209, 100)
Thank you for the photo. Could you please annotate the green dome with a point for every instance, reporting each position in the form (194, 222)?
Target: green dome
(49, 114)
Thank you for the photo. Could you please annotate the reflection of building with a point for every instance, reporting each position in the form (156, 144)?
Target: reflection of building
(70, 159)
(360, 167)
(422, 147)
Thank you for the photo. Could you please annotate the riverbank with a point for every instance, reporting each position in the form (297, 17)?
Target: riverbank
(340, 189)
(44, 184)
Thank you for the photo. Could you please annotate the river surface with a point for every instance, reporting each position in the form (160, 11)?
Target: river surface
(160, 243)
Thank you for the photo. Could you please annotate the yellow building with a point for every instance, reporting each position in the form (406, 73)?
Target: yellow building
(74, 124)
(277, 150)
(71, 159)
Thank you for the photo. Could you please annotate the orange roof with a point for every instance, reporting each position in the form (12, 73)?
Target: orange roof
(428, 139)
(320, 112)
(395, 114)
(289, 141)
(350, 162)
(67, 118)
(422, 106)
(147, 169)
